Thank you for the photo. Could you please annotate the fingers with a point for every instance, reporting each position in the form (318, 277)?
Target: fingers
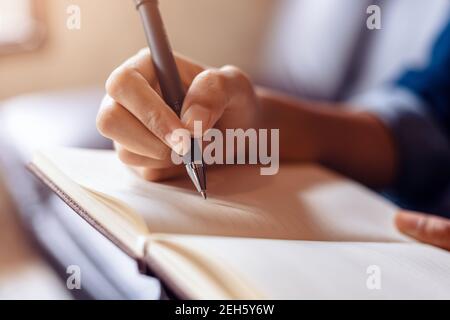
(142, 63)
(117, 123)
(210, 94)
(425, 228)
(130, 89)
(136, 160)
(150, 169)
(144, 128)
(157, 175)
(134, 85)
(188, 69)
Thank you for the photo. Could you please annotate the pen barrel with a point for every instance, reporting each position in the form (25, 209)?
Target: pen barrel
(163, 60)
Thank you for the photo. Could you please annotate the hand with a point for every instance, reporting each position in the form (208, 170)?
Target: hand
(136, 118)
(425, 228)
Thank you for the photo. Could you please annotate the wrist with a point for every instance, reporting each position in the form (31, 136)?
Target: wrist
(299, 140)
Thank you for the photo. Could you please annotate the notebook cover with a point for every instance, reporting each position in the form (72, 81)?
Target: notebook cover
(150, 268)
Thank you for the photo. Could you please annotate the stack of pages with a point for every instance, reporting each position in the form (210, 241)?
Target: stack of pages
(305, 233)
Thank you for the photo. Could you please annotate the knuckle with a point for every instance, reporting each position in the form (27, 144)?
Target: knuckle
(238, 83)
(153, 120)
(144, 52)
(117, 81)
(139, 56)
(235, 73)
(214, 79)
(107, 119)
(232, 70)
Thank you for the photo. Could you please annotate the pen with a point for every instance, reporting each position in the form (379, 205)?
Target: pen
(170, 82)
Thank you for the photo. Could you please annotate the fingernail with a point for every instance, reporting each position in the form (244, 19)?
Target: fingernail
(409, 223)
(197, 113)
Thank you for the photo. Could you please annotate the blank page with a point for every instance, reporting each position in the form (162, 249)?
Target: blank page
(286, 269)
(304, 202)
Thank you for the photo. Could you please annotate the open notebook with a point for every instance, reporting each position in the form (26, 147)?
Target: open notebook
(301, 234)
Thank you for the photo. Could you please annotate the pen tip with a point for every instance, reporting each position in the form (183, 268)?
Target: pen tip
(204, 195)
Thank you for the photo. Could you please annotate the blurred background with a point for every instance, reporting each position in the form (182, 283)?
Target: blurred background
(46, 65)
(54, 57)
(52, 76)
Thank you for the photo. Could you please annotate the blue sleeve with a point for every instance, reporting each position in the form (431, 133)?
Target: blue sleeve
(416, 110)
(432, 84)
(423, 142)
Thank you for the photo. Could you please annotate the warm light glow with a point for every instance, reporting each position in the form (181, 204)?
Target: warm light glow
(16, 21)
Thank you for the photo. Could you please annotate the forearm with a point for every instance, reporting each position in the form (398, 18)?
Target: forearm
(357, 145)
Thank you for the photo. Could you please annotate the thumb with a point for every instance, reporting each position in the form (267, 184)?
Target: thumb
(196, 115)
(425, 228)
(210, 94)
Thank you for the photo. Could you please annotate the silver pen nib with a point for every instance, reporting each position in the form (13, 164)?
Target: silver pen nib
(196, 168)
(197, 173)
